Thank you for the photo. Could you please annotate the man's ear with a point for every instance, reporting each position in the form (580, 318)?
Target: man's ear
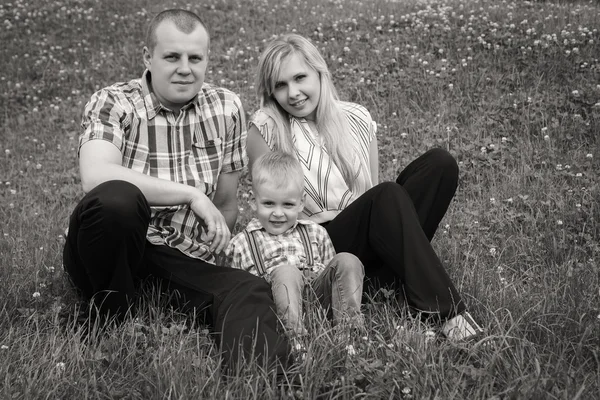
(252, 201)
(147, 57)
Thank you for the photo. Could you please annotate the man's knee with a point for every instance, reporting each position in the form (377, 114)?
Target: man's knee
(118, 202)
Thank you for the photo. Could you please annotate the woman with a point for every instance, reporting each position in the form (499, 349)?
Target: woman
(389, 225)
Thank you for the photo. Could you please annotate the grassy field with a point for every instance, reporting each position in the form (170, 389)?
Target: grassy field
(511, 88)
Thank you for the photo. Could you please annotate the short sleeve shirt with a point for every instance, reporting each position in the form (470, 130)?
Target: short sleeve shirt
(285, 248)
(205, 139)
(326, 190)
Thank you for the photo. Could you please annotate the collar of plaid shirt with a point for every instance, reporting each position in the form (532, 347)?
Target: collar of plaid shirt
(153, 105)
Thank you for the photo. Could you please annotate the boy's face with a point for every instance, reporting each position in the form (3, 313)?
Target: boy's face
(277, 207)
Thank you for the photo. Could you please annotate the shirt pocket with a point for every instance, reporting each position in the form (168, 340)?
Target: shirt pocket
(206, 162)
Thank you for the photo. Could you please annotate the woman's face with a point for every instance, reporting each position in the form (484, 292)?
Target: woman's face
(298, 88)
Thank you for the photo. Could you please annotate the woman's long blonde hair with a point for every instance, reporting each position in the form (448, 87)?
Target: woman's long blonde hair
(330, 120)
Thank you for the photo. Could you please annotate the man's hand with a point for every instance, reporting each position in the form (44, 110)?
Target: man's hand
(218, 233)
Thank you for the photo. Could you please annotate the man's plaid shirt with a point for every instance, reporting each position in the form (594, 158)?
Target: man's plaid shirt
(276, 250)
(207, 138)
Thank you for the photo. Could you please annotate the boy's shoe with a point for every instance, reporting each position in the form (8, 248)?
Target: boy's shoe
(298, 350)
(462, 327)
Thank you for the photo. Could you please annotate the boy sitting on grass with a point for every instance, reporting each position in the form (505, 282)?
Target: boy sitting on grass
(290, 252)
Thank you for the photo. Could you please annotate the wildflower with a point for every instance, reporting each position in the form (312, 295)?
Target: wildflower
(575, 93)
(504, 139)
(546, 138)
(36, 295)
(429, 335)
(589, 155)
(492, 200)
(404, 135)
(60, 366)
(493, 251)
(559, 222)
(350, 349)
(7, 152)
(4, 347)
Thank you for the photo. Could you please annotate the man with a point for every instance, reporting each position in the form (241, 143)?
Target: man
(159, 159)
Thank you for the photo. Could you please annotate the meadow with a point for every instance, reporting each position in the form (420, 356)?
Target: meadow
(510, 88)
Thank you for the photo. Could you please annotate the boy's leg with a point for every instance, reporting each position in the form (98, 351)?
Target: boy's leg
(105, 245)
(339, 287)
(287, 284)
(239, 304)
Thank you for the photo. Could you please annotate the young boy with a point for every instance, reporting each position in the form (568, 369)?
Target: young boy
(291, 253)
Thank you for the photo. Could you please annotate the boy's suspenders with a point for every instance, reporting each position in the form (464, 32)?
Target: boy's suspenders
(258, 260)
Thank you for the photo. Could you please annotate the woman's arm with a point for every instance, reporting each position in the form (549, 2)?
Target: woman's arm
(374, 160)
(256, 145)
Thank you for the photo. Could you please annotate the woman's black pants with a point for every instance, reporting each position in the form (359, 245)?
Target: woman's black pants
(390, 227)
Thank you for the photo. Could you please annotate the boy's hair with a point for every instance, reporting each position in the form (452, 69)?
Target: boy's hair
(331, 120)
(279, 168)
(186, 21)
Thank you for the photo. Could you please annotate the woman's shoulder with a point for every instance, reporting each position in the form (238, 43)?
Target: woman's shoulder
(357, 113)
(261, 118)
(356, 110)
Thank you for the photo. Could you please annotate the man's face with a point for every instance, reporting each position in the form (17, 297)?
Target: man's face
(177, 64)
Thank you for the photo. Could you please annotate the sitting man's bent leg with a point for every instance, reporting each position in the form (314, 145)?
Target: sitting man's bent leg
(105, 245)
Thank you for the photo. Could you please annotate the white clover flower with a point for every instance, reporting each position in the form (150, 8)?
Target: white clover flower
(350, 349)
(589, 155)
(35, 295)
(404, 135)
(493, 251)
(559, 222)
(546, 138)
(60, 366)
(4, 347)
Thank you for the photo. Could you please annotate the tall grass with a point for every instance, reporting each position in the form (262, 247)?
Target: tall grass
(511, 88)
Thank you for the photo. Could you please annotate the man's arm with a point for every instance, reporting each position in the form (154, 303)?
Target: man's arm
(225, 198)
(100, 161)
